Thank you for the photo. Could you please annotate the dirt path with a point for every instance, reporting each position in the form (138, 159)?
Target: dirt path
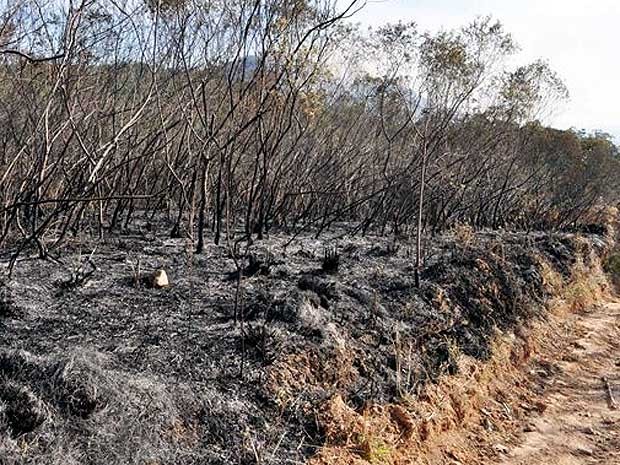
(578, 425)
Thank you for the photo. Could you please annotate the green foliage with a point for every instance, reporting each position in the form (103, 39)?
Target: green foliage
(612, 265)
(374, 449)
(458, 59)
(166, 7)
(529, 87)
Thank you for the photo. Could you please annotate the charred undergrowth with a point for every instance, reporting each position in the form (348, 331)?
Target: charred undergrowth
(172, 373)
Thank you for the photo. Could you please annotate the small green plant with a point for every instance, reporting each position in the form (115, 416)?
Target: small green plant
(612, 265)
(374, 449)
(583, 291)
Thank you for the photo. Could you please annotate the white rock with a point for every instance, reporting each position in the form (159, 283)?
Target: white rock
(160, 279)
(585, 451)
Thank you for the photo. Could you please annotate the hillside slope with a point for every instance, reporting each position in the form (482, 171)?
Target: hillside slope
(107, 372)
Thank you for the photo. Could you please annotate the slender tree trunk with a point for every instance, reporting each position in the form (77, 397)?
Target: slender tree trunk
(418, 246)
(202, 209)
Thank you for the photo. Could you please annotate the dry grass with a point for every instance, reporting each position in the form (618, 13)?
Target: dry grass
(456, 419)
(303, 371)
(586, 286)
(604, 215)
(552, 280)
(46, 403)
(464, 234)
(419, 430)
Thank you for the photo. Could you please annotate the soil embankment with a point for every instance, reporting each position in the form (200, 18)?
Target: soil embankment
(549, 393)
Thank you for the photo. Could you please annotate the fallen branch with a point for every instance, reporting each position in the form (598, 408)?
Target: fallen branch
(610, 395)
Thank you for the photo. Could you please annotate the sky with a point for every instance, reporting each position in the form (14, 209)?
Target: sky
(579, 38)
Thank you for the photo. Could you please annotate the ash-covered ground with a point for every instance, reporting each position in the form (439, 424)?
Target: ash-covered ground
(107, 372)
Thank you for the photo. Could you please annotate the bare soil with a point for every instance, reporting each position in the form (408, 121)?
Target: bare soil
(579, 425)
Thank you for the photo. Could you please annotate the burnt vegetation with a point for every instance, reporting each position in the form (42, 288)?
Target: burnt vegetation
(340, 211)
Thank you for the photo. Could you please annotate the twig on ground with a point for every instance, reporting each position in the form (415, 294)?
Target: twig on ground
(610, 395)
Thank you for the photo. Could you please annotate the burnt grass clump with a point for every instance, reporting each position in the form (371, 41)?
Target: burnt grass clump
(79, 409)
(22, 411)
(106, 373)
(8, 307)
